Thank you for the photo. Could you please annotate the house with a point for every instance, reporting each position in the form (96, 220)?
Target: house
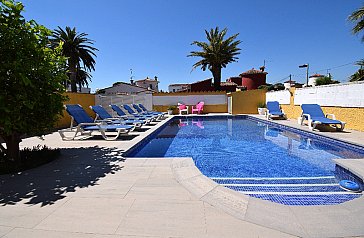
(151, 84)
(250, 79)
(178, 87)
(203, 85)
(125, 88)
(313, 78)
(290, 83)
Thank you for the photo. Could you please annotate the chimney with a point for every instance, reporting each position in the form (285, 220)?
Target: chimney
(131, 82)
(262, 68)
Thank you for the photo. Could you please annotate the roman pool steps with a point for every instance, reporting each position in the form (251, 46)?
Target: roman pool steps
(291, 191)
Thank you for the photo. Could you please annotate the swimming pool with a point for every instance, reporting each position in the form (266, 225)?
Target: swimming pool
(257, 158)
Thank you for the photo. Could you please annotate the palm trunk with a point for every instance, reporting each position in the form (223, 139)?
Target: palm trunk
(73, 77)
(216, 73)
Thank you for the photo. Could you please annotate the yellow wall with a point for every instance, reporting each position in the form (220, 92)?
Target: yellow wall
(85, 100)
(246, 102)
(354, 117)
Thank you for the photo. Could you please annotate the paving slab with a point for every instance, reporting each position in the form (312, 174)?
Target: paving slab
(88, 215)
(221, 224)
(164, 218)
(34, 233)
(275, 216)
(5, 230)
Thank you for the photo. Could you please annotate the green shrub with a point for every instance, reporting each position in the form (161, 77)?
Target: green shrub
(30, 158)
(325, 81)
(261, 105)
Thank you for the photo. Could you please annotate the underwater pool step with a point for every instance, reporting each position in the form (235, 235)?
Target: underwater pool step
(307, 200)
(270, 178)
(282, 189)
(278, 185)
(295, 180)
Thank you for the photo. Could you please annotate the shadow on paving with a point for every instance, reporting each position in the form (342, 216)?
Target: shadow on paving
(76, 168)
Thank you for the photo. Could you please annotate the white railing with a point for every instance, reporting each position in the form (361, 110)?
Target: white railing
(105, 101)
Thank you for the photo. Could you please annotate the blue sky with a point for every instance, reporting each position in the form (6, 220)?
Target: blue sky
(153, 37)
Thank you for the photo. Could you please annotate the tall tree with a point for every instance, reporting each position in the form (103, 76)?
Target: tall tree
(78, 49)
(357, 17)
(216, 53)
(82, 78)
(31, 76)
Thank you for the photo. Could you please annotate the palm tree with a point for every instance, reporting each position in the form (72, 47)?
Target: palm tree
(358, 18)
(78, 48)
(358, 75)
(216, 53)
(82, 78)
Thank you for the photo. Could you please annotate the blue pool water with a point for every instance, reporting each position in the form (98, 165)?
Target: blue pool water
(255, 158)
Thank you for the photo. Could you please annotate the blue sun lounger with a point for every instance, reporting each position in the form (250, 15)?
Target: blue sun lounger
(141, 106)
(103, 115)
(315, 116)
(132, 112)
(121, 113)
(158, 115)
(274, 110)
(86, 125)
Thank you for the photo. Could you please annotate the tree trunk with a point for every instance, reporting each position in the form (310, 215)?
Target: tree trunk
(12, 148)
(216, 73)
(73, 77)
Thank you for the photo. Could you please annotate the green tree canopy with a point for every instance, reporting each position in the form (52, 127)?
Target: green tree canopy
(79, 51)
(358, 75)
(325, 81)
(31, 75)
(217, 53)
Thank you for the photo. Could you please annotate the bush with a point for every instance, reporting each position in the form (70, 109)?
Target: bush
(261, 105)
(30, 158)
(172, 108)
(325, 81)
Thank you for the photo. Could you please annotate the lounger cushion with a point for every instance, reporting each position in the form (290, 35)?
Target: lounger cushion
(274, 109)
(108, 127)
(325, 120)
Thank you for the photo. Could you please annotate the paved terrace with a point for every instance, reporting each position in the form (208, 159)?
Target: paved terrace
(92, 191)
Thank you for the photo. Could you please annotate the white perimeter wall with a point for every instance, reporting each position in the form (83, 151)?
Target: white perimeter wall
(340, 95)
(283, 96)
(190, 99)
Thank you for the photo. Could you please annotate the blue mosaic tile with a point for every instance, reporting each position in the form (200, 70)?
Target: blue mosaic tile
(277, 181)
(307, 200)
(344, 174)
(287, 188)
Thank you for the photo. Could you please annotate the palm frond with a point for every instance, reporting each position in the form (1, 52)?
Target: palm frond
(357, 17)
